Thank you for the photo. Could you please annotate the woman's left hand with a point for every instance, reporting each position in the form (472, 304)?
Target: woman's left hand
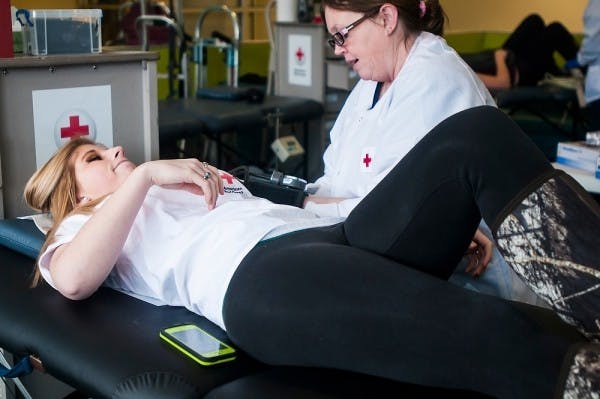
(479, 254)
(321, 200)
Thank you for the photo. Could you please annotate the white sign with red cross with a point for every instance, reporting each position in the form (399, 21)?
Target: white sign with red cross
(299, 60)
(60, 115)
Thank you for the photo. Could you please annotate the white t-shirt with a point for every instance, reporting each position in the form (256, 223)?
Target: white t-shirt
(366, 142)
(179, 253)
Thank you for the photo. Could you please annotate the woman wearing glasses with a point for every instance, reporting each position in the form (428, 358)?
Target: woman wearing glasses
(410, 81)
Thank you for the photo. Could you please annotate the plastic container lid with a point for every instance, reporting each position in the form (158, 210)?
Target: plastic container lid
(71, 13)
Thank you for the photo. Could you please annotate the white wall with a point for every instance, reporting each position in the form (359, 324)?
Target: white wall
(505, 15)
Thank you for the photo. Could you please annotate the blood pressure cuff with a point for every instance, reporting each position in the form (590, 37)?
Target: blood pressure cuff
(275, 186)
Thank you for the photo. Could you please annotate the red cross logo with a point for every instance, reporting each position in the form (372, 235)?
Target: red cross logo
(228, 177)
(74, 129)
(367, 160)
(300, 54)
(73, 123)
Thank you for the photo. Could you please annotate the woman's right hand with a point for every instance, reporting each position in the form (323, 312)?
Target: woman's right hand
(186, 174)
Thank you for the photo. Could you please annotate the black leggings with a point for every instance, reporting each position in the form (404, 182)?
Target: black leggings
(365, 295)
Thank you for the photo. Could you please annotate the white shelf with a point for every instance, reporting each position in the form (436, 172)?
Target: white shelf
(583, 177)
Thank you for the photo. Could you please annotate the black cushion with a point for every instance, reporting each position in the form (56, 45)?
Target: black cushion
(106, 346)
(21, 235)
(304, 383)
(532, 94)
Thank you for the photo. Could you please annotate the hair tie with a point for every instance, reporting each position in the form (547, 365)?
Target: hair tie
(422, 8)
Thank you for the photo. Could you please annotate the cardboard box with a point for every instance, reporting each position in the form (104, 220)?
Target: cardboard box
(77, 31)
(578, 154)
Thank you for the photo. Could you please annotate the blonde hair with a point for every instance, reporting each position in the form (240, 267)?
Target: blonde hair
(53, 189)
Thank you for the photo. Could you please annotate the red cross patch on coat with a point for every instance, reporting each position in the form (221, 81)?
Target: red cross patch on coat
(367, 159)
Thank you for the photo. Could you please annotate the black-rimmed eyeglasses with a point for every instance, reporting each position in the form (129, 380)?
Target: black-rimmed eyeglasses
(338, 38)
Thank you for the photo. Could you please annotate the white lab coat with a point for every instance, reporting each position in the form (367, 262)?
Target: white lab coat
(366, 142)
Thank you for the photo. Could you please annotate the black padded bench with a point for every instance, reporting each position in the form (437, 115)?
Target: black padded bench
(554, 105)
(212, 118)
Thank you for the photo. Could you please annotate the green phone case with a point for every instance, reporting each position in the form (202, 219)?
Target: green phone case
(225, 353)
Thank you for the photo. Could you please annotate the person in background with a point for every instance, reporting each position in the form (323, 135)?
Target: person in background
(588, 58)
(526, 56)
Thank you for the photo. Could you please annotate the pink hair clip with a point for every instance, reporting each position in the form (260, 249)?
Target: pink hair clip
(422, 8)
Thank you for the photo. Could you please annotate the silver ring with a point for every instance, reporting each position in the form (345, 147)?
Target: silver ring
(205, 165)
(207, 175)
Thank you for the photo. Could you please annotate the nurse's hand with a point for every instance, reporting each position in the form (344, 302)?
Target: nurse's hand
(479, 254)
(321, 200)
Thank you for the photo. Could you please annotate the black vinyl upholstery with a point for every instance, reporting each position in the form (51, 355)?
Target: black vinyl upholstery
(191, 118)
(551, 104)
(106, 346)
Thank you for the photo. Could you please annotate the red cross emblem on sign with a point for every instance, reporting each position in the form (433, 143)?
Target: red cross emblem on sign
(74, 129)
(74, 123)
(300, 54)
(367, 160)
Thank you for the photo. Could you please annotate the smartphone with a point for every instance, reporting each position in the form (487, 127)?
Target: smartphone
(197, 344)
